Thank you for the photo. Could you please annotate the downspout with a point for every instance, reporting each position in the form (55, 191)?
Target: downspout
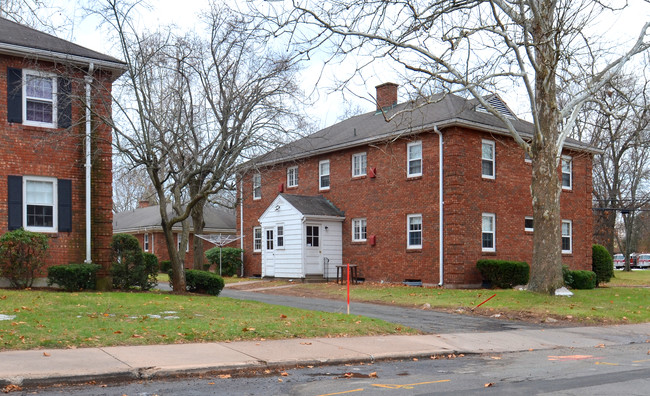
(241, 223)
(441, 204)
(89, 79)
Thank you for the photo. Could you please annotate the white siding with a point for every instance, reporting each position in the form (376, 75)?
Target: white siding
(332, 247)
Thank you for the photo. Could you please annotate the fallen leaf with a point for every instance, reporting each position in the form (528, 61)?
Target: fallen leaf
(347, 375)
(415, 359)
(313, 366)
(117, 332)
(373, 375)
(267, 371)
(283, 316)
(136, 336)
(495, 357)
(305, 343)
(11, 388)
(210, 383)
(489, 384)
(284, 374)
(46, 354)
(279, 379)
(225, 376)
(600, 346)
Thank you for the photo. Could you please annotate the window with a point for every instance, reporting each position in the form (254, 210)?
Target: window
(528, 224)
(269, 239)
(39, 93)
(358, 230)
(566, 236)
(414, 231)
(487, 159)
(40, 202)
(567, 176)
(312, 236)
(414, 159)
(257, 239)
(488, 228)
(279, 236)
(257, 186)
(324, 175)
(359, 164)
(146, 242)
(292, 176)
(178, 243)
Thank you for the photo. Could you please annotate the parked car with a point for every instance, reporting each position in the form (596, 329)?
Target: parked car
(619, 261)
(643, 260)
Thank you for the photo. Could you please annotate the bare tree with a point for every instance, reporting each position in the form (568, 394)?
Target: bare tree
(130, 186)
(37, 14)
(190, 110)
(478, 47)
(617, 120)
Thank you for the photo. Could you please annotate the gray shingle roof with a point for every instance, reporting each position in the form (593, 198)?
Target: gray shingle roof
(409, 118)
(17, 38)
(313, 205)
(216, 220)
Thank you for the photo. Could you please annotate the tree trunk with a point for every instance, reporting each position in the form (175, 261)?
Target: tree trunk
(198, 224)
(178, 272)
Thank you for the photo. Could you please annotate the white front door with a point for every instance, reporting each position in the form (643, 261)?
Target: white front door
(313, 250)
(268, 254)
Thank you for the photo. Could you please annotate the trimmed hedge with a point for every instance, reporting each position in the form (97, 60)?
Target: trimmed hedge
(131, 267)
(602, 264)
(580, 279)
(73, 277)
(165, 266)
(22, 255)
(504, 274)
(230, 259)
(203, 282)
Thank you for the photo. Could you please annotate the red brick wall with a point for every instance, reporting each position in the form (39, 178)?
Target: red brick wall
(385, 201)
(58, 153)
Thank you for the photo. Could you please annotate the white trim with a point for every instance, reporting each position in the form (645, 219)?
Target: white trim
(145, 242)
(362, 226)
(492, 231)
(257, 186)
(570, 236)
(55, 203)
(52, 100)
(569, 160)
(363, 157)
(409, 159)
(255, 239)
(279, 235)
(292, 170)
(492, 160)
(408, 231)
(321, 174)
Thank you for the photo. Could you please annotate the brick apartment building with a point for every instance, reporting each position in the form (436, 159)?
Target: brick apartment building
(367, 192)
(44, 124)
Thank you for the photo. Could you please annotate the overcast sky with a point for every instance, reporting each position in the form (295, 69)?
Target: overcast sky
(328, 106)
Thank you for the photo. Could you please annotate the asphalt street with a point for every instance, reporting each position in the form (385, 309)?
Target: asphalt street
(426, 320)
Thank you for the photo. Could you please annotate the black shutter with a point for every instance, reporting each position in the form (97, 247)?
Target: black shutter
(15, 188)
(64, 103)
(64, 189)
(14, 95)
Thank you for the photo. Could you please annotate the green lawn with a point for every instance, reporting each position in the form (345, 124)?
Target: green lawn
(64, 320)
(632, 278)
(605, 305)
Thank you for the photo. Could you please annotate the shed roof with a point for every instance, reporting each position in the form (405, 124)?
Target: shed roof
(310, 205)
(148, 219)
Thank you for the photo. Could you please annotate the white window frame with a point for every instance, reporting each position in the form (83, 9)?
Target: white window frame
(409, 231)
(257, 186)
(492, 160)
(359, 164)
(322, 174)
(411, 160)
(178, 243)
(493, 231)
(292, 176)
(55, 204)
(25, 98)
(257, 239)
(570, 236)
(359, 225)
(567, 160)
(529, 229)
(145, 242)
(279, 236)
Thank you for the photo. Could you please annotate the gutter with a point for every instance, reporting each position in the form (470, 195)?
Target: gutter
(441, 211)
(88, 79)
(241, 223)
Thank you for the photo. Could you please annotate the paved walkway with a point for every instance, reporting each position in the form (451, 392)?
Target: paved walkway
(42, 367)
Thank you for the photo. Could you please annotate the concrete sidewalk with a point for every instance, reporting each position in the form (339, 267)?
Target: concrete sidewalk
(43, 367)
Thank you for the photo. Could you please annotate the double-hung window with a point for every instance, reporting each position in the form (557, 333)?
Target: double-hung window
(40, 212)
(566, 236)
(324, 175)
(414, 231)
(292, 176)
(487, 159)
(414, 159)
(359, 164)
(567, 173)
(358, 230)
(145, 242)
(279, 237)
(257, 186)
(39, 93)
(488, 232)
(257, 239)
(178, 243)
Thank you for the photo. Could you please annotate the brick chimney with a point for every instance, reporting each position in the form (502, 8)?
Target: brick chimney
(143, 203)
(386, 95)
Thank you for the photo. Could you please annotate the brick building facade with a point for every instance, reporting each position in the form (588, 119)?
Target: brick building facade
(385, 177)
(43, 115)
